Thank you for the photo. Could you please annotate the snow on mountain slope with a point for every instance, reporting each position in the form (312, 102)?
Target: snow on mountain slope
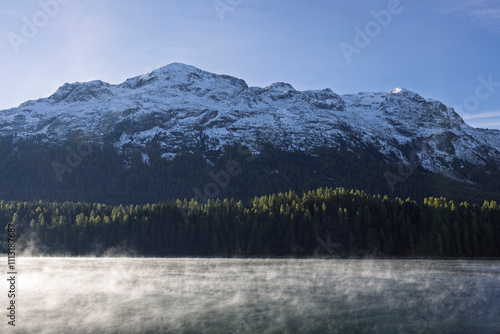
(182, 106)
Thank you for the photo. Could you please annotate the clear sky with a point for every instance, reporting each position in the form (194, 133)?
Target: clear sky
(446, 49)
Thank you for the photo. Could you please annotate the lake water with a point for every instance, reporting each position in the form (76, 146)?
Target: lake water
(134, 295)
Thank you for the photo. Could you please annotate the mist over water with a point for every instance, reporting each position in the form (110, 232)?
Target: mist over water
(139, 295)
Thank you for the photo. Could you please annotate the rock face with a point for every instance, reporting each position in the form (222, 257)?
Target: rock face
(181, 107)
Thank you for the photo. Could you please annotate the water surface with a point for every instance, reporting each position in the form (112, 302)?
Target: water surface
(134, 295)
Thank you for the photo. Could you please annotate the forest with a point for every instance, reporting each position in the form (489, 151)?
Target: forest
(85, 198)
(326, 222)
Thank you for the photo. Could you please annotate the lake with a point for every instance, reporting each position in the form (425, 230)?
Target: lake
(190, 295)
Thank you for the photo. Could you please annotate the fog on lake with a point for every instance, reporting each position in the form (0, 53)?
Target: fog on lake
(191, 295)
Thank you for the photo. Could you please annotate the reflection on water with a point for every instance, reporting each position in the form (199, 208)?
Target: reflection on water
(124, 295)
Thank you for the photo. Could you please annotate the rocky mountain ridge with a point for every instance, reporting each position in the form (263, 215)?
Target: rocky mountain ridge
(182, 108)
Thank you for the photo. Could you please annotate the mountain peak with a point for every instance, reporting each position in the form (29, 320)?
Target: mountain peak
(399, 90)
(282, 87)
(80, 91)
(176, 68)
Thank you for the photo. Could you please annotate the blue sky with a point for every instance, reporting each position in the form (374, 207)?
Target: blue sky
(448, 50)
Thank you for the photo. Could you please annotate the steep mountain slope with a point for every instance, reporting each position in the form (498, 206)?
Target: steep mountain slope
(183, 106)
(180, 108)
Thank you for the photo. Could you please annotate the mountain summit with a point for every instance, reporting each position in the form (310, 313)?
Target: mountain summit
(180, 106)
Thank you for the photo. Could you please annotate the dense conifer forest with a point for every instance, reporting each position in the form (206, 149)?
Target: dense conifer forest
(326, 222)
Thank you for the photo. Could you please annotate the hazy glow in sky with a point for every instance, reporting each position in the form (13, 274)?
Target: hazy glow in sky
(447, 50)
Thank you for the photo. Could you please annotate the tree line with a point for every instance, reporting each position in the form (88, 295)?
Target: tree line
(325, 222)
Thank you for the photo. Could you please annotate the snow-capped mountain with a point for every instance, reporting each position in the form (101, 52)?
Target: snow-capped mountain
(181, 106)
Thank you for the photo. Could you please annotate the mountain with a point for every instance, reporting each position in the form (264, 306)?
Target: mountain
(179, 103)
(180, 108)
